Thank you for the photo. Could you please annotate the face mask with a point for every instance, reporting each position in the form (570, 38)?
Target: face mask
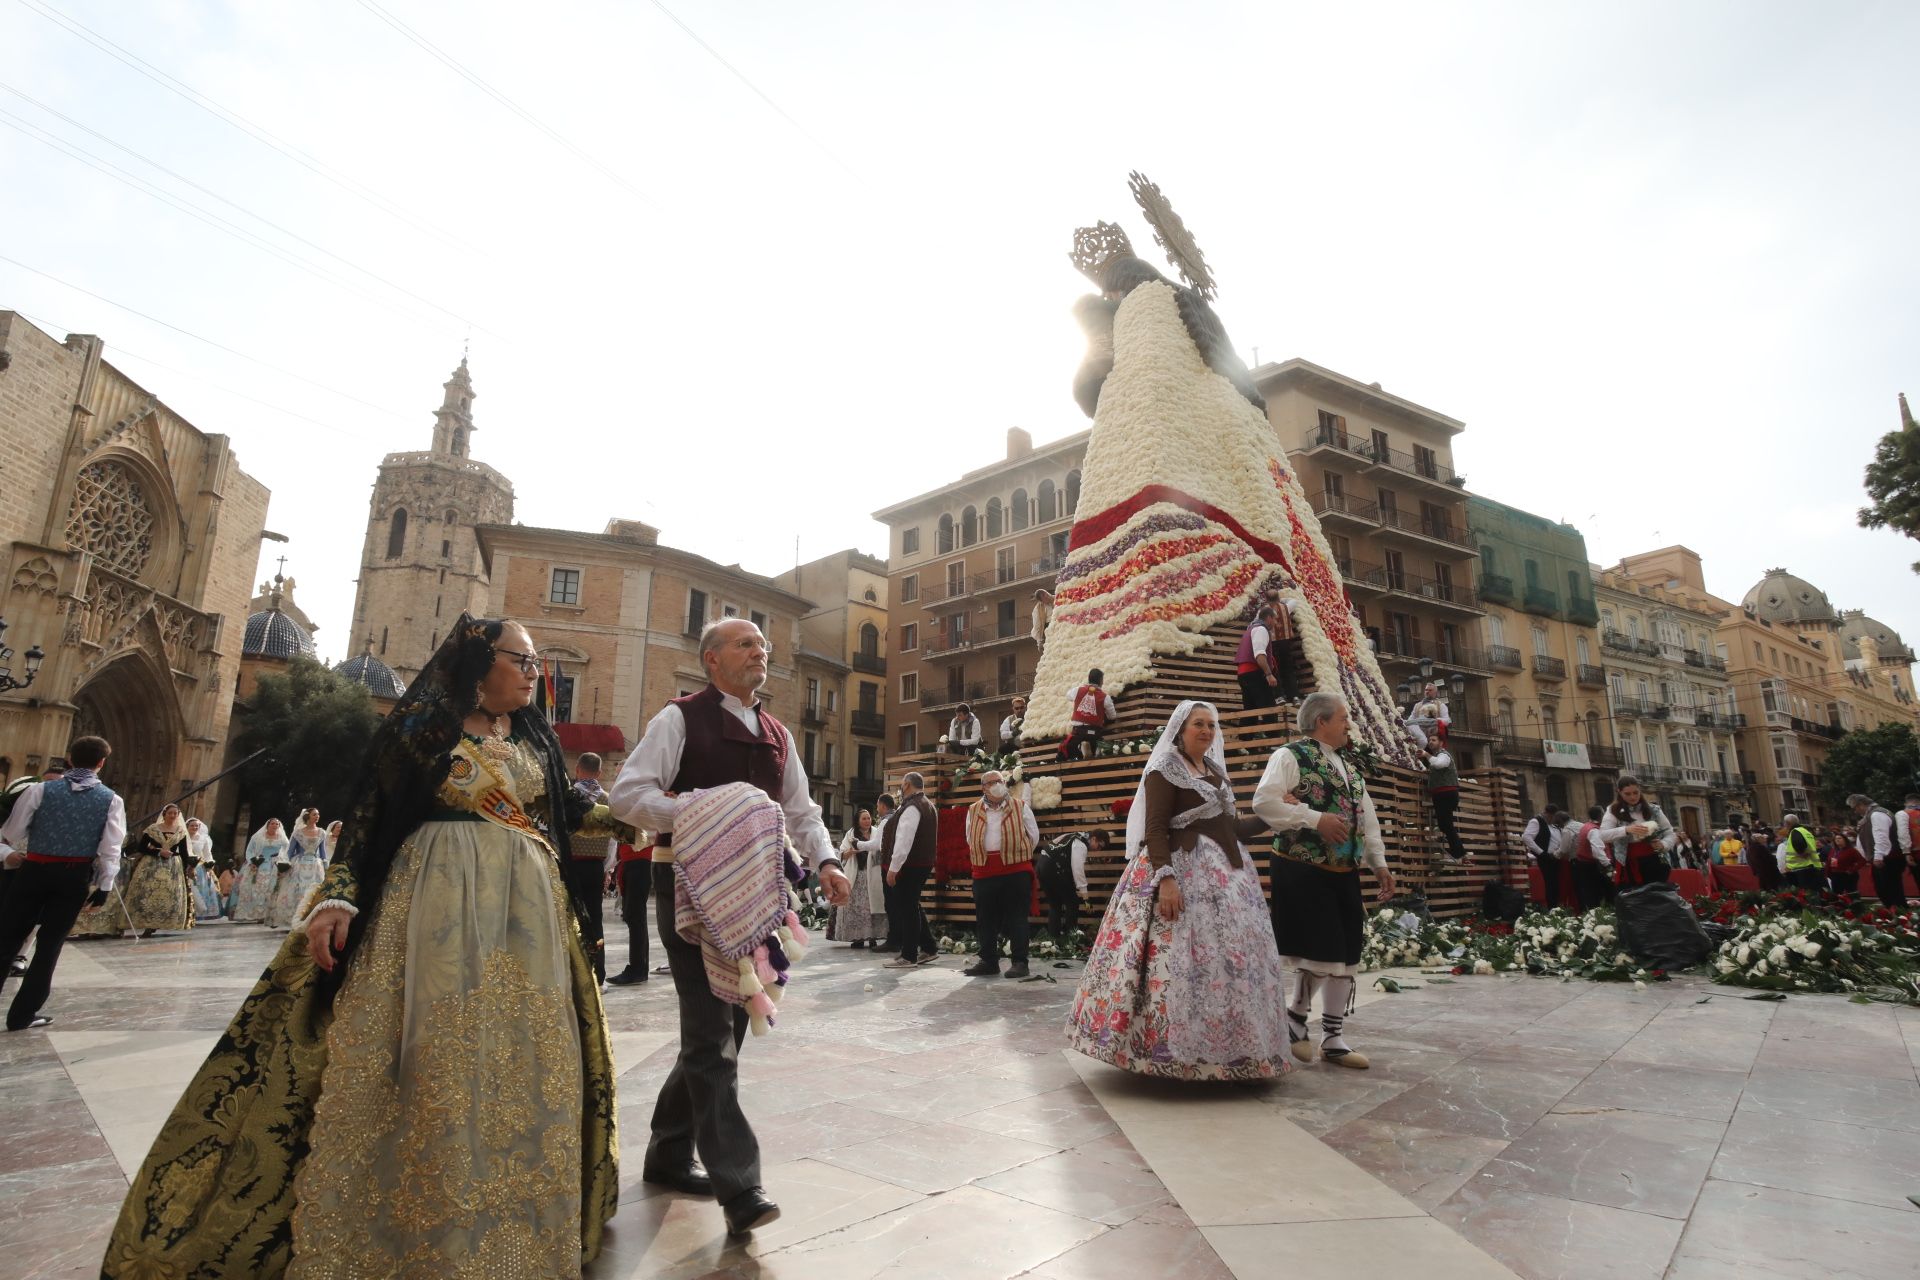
(998, 791)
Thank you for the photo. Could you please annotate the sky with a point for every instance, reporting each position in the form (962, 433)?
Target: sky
(750, 271)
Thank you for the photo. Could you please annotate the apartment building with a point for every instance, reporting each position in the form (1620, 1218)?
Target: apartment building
(1548, 694)
(847, 629)
(1379, 470)
(964, 562)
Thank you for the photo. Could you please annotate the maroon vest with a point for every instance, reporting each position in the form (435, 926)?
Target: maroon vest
(719, 749)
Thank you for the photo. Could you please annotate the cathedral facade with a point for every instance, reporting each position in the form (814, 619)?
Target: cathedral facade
(131, 539)
(420, 566)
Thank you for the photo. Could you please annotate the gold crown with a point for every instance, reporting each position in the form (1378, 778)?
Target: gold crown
(1095, 246)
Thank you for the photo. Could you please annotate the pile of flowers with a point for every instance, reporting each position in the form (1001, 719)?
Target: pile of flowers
(1044, 793)
(1125, 747)
(1544, 943)
(1044, 946)
(982, 761)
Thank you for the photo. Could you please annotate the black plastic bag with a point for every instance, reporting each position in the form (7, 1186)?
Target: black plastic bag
(1501, 902)
(1659, 928)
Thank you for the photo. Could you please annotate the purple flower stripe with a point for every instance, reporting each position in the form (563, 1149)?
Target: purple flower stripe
(1079, 566)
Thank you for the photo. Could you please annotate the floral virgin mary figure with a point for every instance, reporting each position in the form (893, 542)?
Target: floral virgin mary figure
(420, 1084)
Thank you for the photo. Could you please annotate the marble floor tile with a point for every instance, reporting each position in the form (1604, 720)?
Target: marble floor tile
(947, 1097)
(1695, 1092)
(1342, 1250)
(1423, 1165)
(1063, 1117)
(1718, 1047)
(1498, 1100)
(1822, 1095)
(1651, 1164)
(821, 1128)
(1863, 1164)
(936, 1157)
(1087, 1188)
(1112, 1149)
(1139, 1249)
(1546, 1237)
(1741, 1232)
(1827, 1047)
(130, 1081)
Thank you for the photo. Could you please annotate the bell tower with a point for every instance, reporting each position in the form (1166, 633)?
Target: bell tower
(420, 565)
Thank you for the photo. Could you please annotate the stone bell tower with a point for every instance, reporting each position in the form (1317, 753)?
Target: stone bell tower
(420, 565)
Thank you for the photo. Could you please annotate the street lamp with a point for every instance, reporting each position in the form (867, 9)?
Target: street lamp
(1426, 669)
(34, 658)
(1459, 683)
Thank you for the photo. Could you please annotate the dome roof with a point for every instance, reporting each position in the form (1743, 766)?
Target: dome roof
(1854, 624)
(1781, 597)
(272, 634)
(377, 676)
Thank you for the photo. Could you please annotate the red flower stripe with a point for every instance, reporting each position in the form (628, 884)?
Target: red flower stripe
(1160, 587)
(1146, 558)
(1092, 529)
(1235, 585)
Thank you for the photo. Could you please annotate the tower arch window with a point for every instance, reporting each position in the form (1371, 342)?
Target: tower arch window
(1048, 504)
(869, 640)
(397, 534)
(996, 524)
(969, 527)
(1073, 491)
(946, 532)
(1017, 508)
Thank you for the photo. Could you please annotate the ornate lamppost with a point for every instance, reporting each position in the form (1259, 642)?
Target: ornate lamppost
(34, 658)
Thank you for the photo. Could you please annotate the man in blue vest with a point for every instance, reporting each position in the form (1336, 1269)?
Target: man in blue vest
(66, 835)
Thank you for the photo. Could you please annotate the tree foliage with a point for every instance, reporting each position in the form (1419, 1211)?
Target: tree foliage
(1883, 763)
(316, 726)
(1893, 482)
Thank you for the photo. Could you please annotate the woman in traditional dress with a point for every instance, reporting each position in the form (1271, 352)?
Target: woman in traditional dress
(253, 888)
(1638, 833)
(1184, 980)
(863, 921)
(158, 896)
(333, 838)
(207, 901)
(420, 1084)
(302, 867)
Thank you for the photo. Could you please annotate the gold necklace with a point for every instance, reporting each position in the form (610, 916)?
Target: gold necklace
(495, 745)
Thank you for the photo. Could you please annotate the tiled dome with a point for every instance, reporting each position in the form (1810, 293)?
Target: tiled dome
(376, 675)
(1854, 624)
(272, 634)
(1781, 597)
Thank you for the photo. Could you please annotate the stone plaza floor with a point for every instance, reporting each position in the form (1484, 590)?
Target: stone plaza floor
(920, 1124)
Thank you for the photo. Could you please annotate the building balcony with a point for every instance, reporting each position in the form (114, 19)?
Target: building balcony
(1548, 668)
(1588, 676)
(1496, 588)
(1503, 657)
(871, 663)
(1443, 595)
(979, 693)
(1639, 710)
(1358, 575)
(1603, 757)
(1583, 612)
(1814, 729)
(1513, 746)
(1618, 641)
(1335, 447)
(950, 641)
(1704, 661)
(1720, 719)
(1540, 600)
(1778, 719)
(1420, 529)
(1727, 782)
(868, 724)
(1395, 649)
(1340, 508)
(1024, 573)
(1422, 469)
(1659, 774)
(813, 714)
(933, 594)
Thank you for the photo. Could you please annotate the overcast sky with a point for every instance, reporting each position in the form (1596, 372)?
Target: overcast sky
(1660, 258)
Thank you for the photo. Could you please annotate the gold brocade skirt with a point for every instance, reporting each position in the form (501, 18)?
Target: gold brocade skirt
(451, 1117)
(157, 894)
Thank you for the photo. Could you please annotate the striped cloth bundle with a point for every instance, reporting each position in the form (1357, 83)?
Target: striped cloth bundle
(731, 894)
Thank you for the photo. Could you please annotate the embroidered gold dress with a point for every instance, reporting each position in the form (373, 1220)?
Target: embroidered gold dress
(452, 1118)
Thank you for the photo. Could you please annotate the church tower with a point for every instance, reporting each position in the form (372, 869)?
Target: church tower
(420, 566)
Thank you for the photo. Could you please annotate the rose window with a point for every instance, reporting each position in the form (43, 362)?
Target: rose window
(111, 518)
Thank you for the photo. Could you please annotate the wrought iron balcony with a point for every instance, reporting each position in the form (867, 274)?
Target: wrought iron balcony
(1582, 611)
(1393, 647)
(1590, 676)
(1497, 588)
(1407, 522)
(1549, 668)
(1336, 506)
(1616, 640)
(1540, 600)
(1504, 657)
(868, 724)
(871, 663)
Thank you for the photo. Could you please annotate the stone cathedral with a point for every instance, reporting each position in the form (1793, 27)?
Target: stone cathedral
(421, 565)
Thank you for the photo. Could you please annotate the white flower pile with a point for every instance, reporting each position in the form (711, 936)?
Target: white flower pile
(1044, 793)
(1817, 951)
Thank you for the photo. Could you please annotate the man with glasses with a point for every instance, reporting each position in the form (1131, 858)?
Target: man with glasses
(718, 736)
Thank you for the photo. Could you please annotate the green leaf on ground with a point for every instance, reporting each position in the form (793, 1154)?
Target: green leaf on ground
(1766, 995)
(1389, 985)
(1703, 999)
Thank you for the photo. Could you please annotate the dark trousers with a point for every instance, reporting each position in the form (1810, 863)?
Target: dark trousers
(699, 1106)
(587, 882)
(1255, 692)
(1552, 876)
(907, 927)
(1063, 912)
(1889, 883)
(47, 895)
(1080, 743)
(636, 879)
(1000, 905)
(1445, 805)
(1590, 884)
(1812, 879)
(1845, 881)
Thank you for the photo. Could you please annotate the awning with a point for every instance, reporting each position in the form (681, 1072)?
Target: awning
(603, 739)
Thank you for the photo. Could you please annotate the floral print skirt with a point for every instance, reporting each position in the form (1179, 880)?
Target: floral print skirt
(253, 892)
(1200, 998)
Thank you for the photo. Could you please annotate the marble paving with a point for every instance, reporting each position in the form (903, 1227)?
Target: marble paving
(922, 1124)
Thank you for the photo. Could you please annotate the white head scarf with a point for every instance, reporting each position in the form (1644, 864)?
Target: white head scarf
(1168, 761)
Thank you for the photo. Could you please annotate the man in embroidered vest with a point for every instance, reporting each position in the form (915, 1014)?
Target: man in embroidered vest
(65, 834)
(1092, 709)
(708, 739)
(1316, 802)
(907, 846)
(1001, 838)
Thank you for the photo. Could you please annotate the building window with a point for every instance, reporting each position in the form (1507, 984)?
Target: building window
(446, 549)
(1382, 447)
(759, 620)
(910, 588)
(565, 587)
(443, 577)
(1756, 651)
(910, 688)
(1073, 492)
(1540, 642)
(383, 640)
(729, 610)
(910, 541)
(969, 527)
(869, 640)
(996, 522)
(1505, 715)
(397, 534)
(1425, 462)
(1584, 649)
(869, 697)
(436, 606)
(956, 578)
(909, 737)
(1389, 504)
(1017, 510)
(909, 637)
(1003, 565)
(696, 611)
(1496, 629)
(1048, 506)
(1593, 728)
(809, 743)
(813, 699)
(946, 532)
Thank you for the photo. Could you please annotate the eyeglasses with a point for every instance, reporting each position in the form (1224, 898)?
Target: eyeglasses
(529, 664)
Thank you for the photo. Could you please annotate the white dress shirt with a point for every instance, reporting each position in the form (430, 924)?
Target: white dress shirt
(1274, 803)
(964, 733)
(1259, 639)
(1077, 851)
(1903, 829)
(990, 839)
(639, 797)
(906, 822)
(1880, 827)
(1009, 727)
(1555, 836)
(106, 855)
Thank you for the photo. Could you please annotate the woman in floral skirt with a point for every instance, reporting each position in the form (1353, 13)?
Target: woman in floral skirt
(1184, 980)
(253, 885)
(304, 867)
